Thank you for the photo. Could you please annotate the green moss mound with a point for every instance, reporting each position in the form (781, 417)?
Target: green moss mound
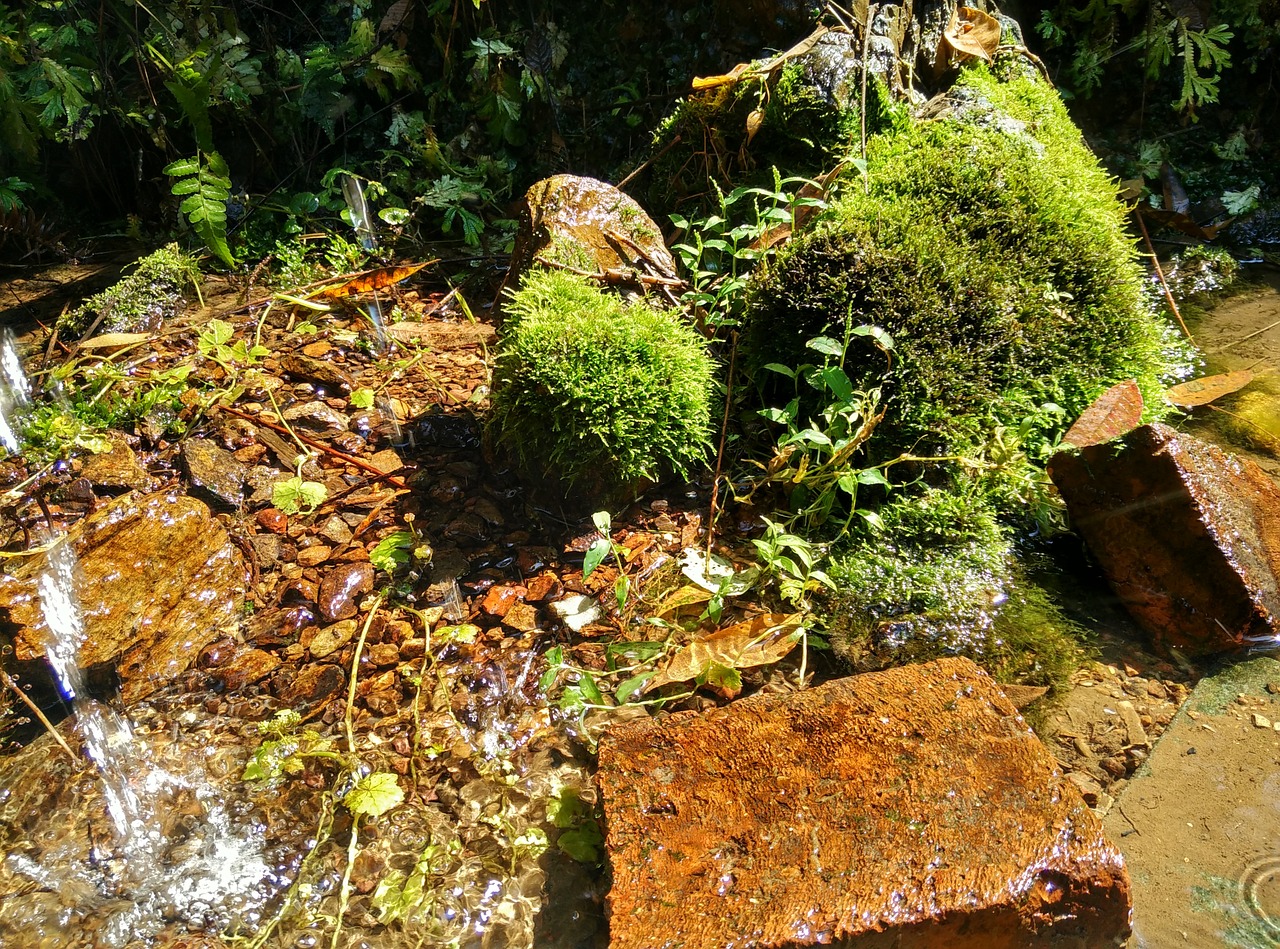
(991, 246)
(141, 301)
(596, 392)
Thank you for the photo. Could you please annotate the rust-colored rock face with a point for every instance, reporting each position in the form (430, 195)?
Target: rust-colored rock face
(1188, 537)
(910, 808)
(591, 226)
(157, 579)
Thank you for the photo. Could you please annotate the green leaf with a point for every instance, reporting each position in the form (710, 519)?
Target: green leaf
(392, 552)
(826, 345)
(630, 687)
(582, 843)
(838, 382)
(595, 556)
(374, 795)
(780, 369)
(295, 495)
(877, 333)
(590, 691)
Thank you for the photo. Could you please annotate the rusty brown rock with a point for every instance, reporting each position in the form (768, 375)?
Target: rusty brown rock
(1188, 537)
(341, 586)
(118, 469)
(311, 684)
(246, 667)
(317, 370)
(500, 599)
(157, 580)
(588, 225)
(909, 808)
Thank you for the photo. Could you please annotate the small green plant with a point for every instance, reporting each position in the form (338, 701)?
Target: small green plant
(794, 562)
(204, 184)
(597, 392)
(215, 342)
(580, 836)
(295, 495)
(601, 548)
(286, 748)
(398, 549)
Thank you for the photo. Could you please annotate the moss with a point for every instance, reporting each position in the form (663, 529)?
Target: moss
(139, 302)
(948, 584)
(992, 248)
(597, 392)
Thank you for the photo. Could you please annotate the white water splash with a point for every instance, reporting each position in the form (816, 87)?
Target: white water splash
(15, 391)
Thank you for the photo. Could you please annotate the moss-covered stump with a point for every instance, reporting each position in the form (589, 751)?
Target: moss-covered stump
(597, 394)
(140, 301)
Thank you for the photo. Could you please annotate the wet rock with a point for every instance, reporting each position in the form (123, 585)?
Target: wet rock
(336, 531)
(116, 470)
(384, 654)
(319, 372)
(545, 586)
(158, 578)
(906, 808)
(1188, 537)
(341, 586)
(246, 667)
(216, 477)
(314, 555)
(273, 519)
(387, 460)
(522, 617)
(310, 685)
(437, 430)
(316, 416)
(500, 599)
(332, 638)
(588, 225)
(577, 611)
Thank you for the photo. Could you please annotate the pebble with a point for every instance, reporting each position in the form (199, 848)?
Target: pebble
(339, 588)
(332, 638)
(314, 556)
(1261, 721)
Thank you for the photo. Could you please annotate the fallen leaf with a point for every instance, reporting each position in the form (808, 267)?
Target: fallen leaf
(759, 641)
(1208, 389)
(369, 281)
(971, 34)
(754, 121)
(688, 595)
(113, 340)
(1116, 411)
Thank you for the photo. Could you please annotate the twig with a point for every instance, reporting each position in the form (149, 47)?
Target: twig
(613, 275)
(724, 431)
(1155, 262)
(648, 161)
(319, 446)
(355, 672)
(36, 711)
(862, 103)
(1244, 339)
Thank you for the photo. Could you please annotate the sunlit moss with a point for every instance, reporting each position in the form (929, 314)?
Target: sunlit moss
(597, 392)
(140, 301)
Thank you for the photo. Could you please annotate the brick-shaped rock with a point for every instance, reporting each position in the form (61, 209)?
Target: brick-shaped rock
(1188, 537)
(909, 808)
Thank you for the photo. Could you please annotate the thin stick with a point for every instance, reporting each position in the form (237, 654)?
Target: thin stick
(35, 710)
(648, 161)
(1155, 262)
(724, 432)
(319, 446)
(1244, 339)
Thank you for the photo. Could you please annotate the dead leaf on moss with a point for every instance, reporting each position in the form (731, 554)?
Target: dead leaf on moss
(369, 281)
(1208, 389)
(759, 641)
(971, 34)
(1115, 412)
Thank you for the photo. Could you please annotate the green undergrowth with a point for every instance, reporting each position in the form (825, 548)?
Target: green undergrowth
(140, 301)
(598, 393)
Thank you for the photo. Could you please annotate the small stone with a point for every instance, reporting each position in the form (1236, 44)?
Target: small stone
(1157, 690)
(317, 349)
(117, 469)
(339, 588)
(413, 649)
(1261, 721)
(317, 416)
(500, 599)
(245, 668)
(663, 523)
(267, 548)
(543, 587)
(387, 460)
(311, 684)
(273, 520)
(314, 556)
(384, 654)
(522, 617)
(215, 476)
(1273, 687)
(336, 531)
(332, 638)
(316, 371)
(577, 611)
(1133, 725)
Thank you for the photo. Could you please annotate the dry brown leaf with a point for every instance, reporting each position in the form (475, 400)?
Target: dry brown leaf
(970, 34)
(688, 595)
(1116, 411)
(369, 281)
(394, 18)
(114, 340)
(754, 121)
(1208, 389)
(759, 641)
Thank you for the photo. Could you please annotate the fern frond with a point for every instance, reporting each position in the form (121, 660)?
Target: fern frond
(204, 182)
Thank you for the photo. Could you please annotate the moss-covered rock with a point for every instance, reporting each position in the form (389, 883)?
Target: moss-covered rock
(140, 301)
(597, 393)
(991, 247)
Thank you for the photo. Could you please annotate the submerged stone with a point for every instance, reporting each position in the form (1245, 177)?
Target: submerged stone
(158, 578)
(1188, 537)
(214, 473)
(905, 808)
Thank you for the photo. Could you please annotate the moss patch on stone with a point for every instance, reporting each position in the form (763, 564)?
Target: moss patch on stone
(140, 301)
(596, 392)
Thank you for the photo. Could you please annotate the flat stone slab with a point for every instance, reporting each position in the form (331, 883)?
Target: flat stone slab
(906, 808)
(1199, 823)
